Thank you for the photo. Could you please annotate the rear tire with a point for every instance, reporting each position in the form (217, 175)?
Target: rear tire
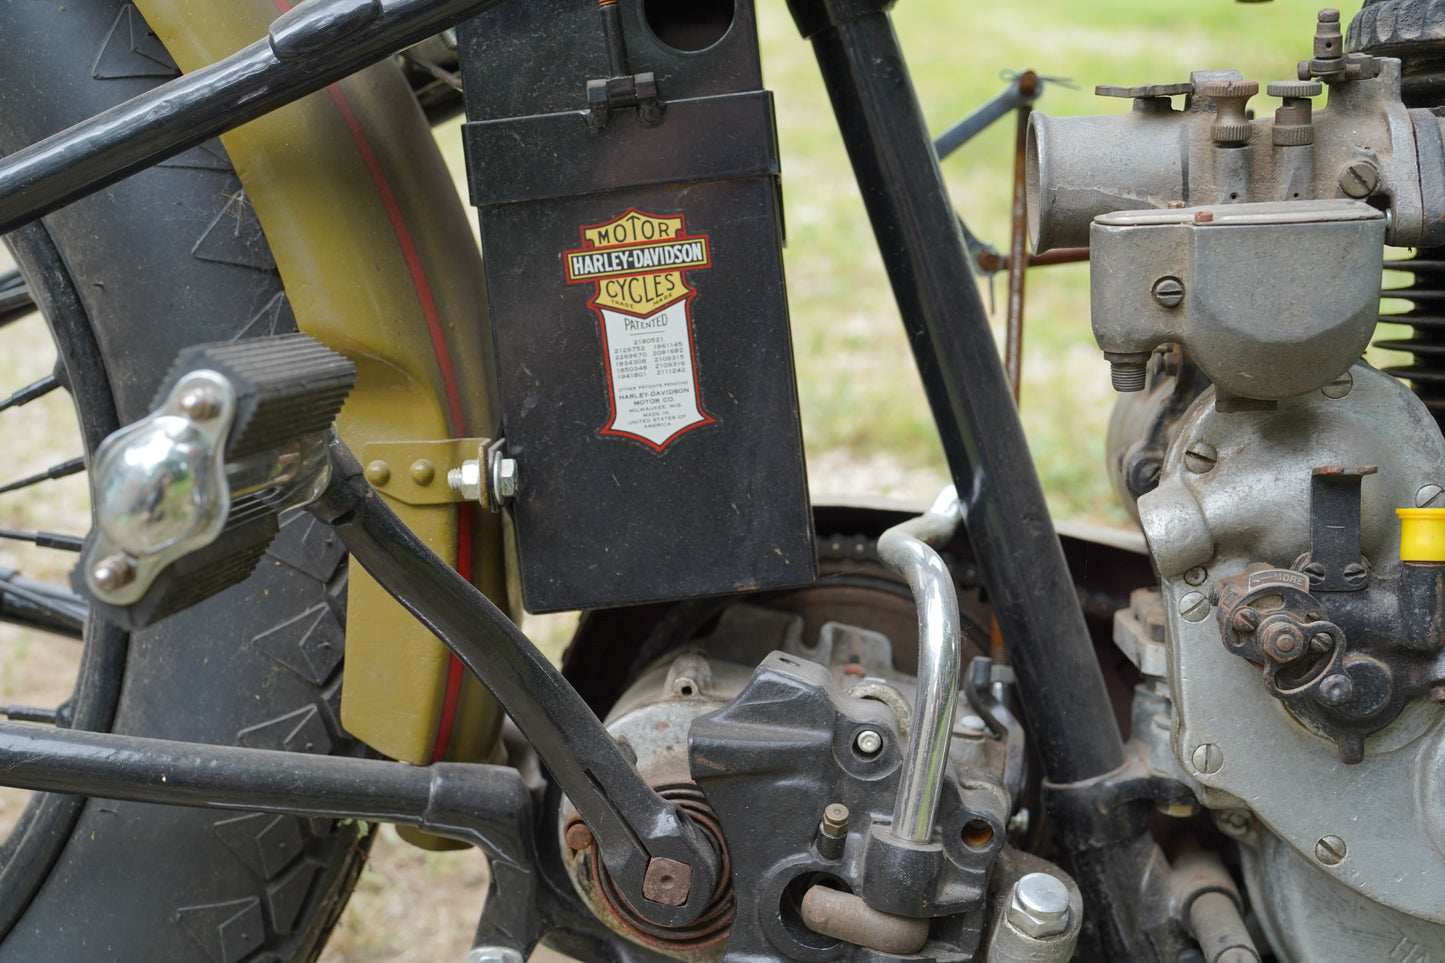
(170, 257)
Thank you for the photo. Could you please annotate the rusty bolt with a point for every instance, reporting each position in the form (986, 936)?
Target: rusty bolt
(1321, 642)
(1282, 641)
(1168, 292)
(1359, 179)
(1336, 689)
(112, 573)
(579, 837)
(1429, 496)
(1330, 850)
(1207, 758)
(1194, 607)
(1174, 205)
(1244, 621)
(1203, 217)
(667, 881)
(1200, 457)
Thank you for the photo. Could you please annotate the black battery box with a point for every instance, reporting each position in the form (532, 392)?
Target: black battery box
(623, 160)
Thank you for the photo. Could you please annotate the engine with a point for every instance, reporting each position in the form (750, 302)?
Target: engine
(1291, 494)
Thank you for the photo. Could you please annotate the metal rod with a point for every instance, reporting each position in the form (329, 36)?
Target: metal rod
(632, 825)
(975, 123)
(317, 43)
(905, 549)
(1028, 82)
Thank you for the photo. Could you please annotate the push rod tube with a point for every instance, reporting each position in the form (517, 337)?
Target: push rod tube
(906, 549)
(315, 44)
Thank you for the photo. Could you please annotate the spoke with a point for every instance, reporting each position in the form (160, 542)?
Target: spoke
(65, 543)
(38, 605)
(50, 474)
(30, 392)
(47, 717)
(15, 298)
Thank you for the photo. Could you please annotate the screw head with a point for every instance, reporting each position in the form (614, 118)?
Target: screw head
(1168, 292)
(112, 573)
(378, 472)
(1207, 758)
(200, 401)
(1330, 850)
(1340, 387)
(494, 954)
(1429, 496)
(868, 742)
(1336, 689)
(423, 471)
(1359, 179)
(1194, 607)
(1244, 620)
(1196, 575)
(1354, 573)
(1200, 457)
(579, 837)
(1039, 906)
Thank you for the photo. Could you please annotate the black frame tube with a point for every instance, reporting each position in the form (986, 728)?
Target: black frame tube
(1067, 708)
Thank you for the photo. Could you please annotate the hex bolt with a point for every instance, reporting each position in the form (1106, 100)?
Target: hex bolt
(467, 480)
(504, 478)
(494, 954)
(868, 742)
(1128, 370)
(1200, 457)
(1194, 607)
(835, 819)
(200, 401)
(1429, 496)
(1330, 850)
(1039, 906)
(1340, 387)
(1207, 758)
(1335, 690)
(378, 472)
(1282, 641)
(112, 573)
(1359, 179)
(1196, 575)
(1168, 292)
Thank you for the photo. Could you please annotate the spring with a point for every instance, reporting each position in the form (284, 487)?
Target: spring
(1426, 296)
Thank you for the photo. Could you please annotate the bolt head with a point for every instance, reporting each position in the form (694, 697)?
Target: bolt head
(113, 573)
(494, 954)
(1330, 850)
(868, 742)
(579, 837)
(1200, 457)
(1168, 292)
(667, 881)
(1194, 607)
(1207, 759)
(378, 472)
(1429, 496)
(1039, 906)
(1336, 689)
(1359, 179)
(835, 819)
(1340, 387)
(467, 480)
(423, 472)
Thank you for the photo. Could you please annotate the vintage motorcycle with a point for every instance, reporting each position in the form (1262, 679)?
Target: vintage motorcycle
(782, 731)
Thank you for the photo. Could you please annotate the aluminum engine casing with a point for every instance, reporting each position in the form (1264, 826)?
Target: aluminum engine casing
(1235, 489)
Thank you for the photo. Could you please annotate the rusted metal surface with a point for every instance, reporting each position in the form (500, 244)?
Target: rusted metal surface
(993, 261)
(667, 881)
(1018, 241)
(846, 917)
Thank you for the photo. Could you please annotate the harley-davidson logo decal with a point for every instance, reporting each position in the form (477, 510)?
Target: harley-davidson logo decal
(637, 261)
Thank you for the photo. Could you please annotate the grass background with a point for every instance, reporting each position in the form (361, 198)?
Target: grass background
(866, 426)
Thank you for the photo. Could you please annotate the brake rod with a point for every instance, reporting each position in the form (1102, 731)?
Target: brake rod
(662, 862)
(316, 43)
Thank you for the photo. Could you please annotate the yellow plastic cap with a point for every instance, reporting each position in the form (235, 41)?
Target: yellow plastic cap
(1422, 534)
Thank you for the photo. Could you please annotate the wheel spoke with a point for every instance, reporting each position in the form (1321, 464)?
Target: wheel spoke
(64, 543)
(15, 298)
(30, 392)
(47, 717)
(40, 605)
(57, 471)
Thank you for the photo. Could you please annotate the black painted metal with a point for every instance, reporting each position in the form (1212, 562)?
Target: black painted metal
(337, 38)
(630, 822)
(1065, 702)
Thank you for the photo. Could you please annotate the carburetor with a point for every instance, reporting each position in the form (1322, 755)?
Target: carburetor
(1296, 676)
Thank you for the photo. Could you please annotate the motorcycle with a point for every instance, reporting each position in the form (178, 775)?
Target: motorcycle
(782, 730)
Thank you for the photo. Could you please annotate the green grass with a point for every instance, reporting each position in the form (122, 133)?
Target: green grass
(861, 398)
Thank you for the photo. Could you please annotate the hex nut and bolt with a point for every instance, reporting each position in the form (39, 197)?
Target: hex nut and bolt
(200, 401)
(1194, 607)
(504, 478)
(494, 954)
(1128, 370)
(1429, 496)
(467, 480)
(1330, 850)
(1207, 759)
(868, 742)
(835, 820)
(1200, 457)
(1039, 906)
(667, 881)
(1359, 179)
(1168, 292)
(1282, 641)
(113, 573)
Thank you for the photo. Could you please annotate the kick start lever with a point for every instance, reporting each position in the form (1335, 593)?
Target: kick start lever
(664, 864)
